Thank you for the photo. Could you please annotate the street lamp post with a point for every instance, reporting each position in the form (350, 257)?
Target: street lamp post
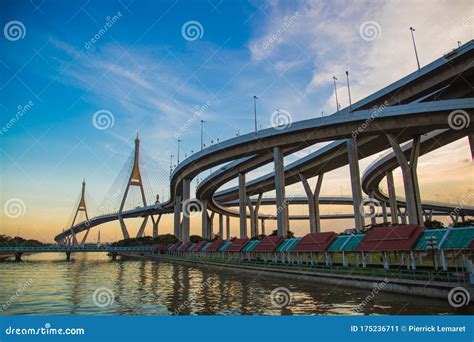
(349, 91)
(335, 92)
(179, 141)
(414, 46)
(255, 98)
(171, 164)
(202, 130)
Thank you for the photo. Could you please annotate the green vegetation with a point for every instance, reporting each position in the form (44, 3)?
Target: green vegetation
(289, 235)
(195, 238)
(466, 223)
(433, 224)
(146, 241)
(8, 241)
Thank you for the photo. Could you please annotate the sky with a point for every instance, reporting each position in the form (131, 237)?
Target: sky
(79, 79)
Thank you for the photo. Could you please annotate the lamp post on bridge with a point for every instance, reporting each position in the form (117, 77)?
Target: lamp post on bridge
(414, 46)
(255, 98)
(335, 92)
(202, 135)
(179, 141)
(171, 164)
(349, 91)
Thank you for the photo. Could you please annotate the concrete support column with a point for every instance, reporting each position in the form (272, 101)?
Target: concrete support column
(409, 174)
(471, 144)
(254, 215)
(155, 225)
(242, 204)
(227, 227)
(281, 205)
(221, 226)
(177, 217)
(204, 221)
(353, 157)
(186, 212)
(373, 218)
(313, 203)
(211, 225)
(262, 223)
(415, 153)
(384, 212)
(392, 197)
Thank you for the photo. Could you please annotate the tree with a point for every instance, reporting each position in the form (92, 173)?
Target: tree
(195, 238)
(433, 224)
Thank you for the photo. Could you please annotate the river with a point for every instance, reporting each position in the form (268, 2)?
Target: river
(92, 284)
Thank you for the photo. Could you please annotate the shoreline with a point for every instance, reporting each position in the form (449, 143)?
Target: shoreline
(416, 288)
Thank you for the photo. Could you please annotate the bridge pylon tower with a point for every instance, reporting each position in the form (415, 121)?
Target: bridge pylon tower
(135, 179)
(80, 207)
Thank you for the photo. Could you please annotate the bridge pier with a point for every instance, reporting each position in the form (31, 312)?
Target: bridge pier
(221, 226)
(263, 226)
(392, 197)
(313, 203)
(410, 178)
(186, 212)
(384, 212)
(353, 156)
(373, 218)
(242, 206)
(18, 256)
(254, 215)
(68, 256)
(113, 255)
(204, 221)
(227, 227)
(177, 217)
(281, 204)
(155, 224)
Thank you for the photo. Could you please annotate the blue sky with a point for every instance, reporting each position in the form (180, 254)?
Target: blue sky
(144, 71)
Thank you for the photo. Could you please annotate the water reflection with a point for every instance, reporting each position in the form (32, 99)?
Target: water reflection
(146, 287)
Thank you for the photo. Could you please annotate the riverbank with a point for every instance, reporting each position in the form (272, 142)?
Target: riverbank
(417, 288)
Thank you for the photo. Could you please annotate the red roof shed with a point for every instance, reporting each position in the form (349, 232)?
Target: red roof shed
(198, 246)
(316, 242)
(215, 245)
(269, 244)
(394, 238)
(237, 245)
